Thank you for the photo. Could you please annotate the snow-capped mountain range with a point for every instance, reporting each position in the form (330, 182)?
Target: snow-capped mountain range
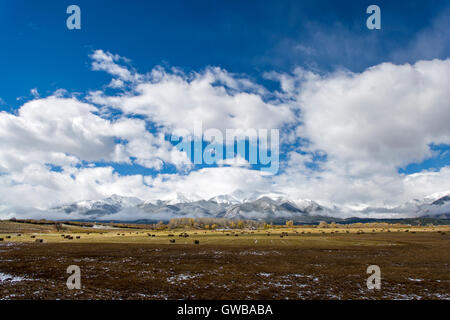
(257, 206)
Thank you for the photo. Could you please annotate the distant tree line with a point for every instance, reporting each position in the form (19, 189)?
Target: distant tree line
(214, 223)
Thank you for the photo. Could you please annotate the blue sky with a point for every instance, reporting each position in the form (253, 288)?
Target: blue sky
(244, 37)
(248, 39)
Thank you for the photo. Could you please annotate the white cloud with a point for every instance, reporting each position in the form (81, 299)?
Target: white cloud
(35, 93)
(219, 99)
(36, 186)
(362, 126)
(369, 125)
(209, 182)
(105, 61)
(378, 120)
(63, 131)
(237, 161)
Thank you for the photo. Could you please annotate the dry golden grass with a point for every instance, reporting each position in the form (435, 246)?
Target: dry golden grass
(129, 264)
(295, 236)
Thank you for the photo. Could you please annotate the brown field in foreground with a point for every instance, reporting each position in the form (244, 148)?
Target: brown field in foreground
(308, 263)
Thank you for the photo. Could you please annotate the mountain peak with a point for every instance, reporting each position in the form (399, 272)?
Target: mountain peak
(268, 206)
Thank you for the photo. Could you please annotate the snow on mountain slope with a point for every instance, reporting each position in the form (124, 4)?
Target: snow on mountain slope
(436, 204)
(436, 196)
(238, 205)
(110, 205)
(264, 208)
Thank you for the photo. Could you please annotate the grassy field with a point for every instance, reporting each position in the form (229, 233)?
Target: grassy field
(307, 263)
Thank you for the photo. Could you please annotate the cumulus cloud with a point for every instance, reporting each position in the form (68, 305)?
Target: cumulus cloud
(38, 187)
(208, 182)
(378, 120)
(64, 131)
(369, 125)
(215, 97)
(343, 135)
(237, 161)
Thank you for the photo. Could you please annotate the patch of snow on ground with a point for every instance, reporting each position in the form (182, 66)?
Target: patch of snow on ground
(416, 280)
(181, 277)
(264, 274)
(10, 278)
